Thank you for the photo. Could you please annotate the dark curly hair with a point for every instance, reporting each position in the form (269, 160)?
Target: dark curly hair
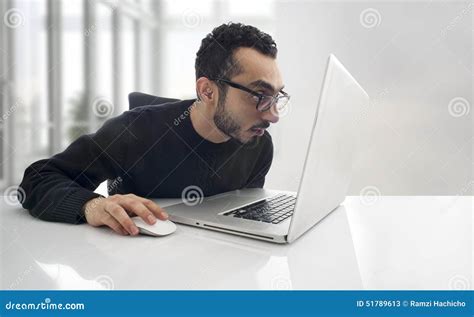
(214, 58)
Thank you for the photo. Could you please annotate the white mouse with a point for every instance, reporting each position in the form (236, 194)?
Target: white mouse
(160, 228)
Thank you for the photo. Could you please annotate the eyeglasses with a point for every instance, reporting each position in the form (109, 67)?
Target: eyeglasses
(263, 102)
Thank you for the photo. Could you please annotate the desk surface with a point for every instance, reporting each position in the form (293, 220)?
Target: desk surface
(386, 243)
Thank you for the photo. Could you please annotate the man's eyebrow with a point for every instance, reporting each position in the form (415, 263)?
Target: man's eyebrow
(264, 84)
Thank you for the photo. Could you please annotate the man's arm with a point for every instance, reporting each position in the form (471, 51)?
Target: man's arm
(57, 188)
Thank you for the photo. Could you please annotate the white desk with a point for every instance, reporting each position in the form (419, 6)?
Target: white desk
(396, 243)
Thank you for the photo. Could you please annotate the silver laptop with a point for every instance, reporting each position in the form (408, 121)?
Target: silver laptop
(281, 216)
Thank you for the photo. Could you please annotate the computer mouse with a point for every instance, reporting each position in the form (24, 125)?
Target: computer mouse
(160, 228)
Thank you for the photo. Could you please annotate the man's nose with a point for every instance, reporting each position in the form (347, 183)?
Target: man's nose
(271, 115)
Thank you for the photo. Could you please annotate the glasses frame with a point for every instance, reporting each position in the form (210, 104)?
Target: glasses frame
(256, 94)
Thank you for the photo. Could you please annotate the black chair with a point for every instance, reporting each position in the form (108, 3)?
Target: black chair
(138, 99)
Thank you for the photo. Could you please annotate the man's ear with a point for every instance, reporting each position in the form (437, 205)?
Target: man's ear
(205, 89)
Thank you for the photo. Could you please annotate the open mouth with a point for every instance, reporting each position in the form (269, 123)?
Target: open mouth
(258, 131)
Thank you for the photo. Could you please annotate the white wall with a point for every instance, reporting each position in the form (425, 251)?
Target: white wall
(413, 62)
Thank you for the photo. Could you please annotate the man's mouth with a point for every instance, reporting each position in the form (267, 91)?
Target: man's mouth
(258, 131)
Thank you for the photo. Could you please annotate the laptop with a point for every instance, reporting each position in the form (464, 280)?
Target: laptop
(282, 216)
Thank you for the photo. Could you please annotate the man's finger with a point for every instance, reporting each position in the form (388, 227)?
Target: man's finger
(157, 210)
(138, 208)
(115, 225)
(116, 211)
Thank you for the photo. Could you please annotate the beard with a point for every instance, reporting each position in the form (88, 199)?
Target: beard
(226, 123)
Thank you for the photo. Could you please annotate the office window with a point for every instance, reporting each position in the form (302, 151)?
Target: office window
(189, 11)
(128, 62)
(100, 106)
(29, 121)
(180, 49)
(147, 5)
(146, 58)
(104, 52)
(52, 67)
(184, 26)
(251, 8)
(97, 50)
(2, 166)
(72, 65)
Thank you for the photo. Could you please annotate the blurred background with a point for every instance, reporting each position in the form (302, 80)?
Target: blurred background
(67, 66)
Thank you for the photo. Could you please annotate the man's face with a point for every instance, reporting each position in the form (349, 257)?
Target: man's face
(236, 115)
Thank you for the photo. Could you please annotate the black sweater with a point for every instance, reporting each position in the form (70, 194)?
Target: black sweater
(151, 151)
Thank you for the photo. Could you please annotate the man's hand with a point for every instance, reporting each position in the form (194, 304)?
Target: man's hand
(115, 211)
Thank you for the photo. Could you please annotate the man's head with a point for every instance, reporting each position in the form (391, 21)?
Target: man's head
(232, 62)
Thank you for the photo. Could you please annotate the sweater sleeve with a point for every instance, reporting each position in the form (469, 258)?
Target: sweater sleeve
(264, 162)
(56, 189)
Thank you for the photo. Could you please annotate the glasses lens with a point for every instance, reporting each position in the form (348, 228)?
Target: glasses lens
(266, 103)
(282, 102)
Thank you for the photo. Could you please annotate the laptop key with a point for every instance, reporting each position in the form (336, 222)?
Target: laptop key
(271, 210)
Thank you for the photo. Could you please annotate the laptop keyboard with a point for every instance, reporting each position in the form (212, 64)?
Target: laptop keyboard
(272, 210)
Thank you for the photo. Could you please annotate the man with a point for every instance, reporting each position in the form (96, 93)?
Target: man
(214, 144)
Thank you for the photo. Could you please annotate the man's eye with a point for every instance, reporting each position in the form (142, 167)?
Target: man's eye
(252, 96)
